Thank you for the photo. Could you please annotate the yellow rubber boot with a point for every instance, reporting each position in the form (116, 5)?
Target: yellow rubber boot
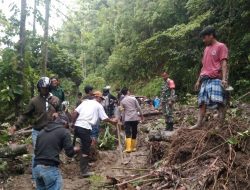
(128, 145)
(133, 145)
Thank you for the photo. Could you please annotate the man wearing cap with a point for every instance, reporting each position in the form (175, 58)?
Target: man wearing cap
(86, 115)
(167, 100)
(213, 76)
(50, 142)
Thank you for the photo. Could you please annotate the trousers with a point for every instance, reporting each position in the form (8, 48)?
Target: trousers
(167, 110)
(131, 129)
(48, 178)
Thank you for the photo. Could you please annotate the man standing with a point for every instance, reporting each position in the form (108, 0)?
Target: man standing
(167, 99)
(109, 101)
(131, 107)
(89, 92)
(56, 90)
(79, 99)
(50, 142)
(213, 76)
(86, 115)
(38, 110)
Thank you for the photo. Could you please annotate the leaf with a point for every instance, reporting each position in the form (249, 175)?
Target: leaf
(232, 141)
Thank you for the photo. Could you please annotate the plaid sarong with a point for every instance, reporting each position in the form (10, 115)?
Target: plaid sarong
(211, 92)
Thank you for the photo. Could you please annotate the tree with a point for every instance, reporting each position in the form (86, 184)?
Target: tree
(21, 54)
(46, 34)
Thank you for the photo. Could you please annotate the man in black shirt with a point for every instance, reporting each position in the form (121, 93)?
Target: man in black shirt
(50, 142)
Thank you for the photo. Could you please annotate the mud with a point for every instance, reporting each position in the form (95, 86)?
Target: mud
(189, 160)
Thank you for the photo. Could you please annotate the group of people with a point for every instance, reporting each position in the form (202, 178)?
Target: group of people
(50, 124)
(50, 127)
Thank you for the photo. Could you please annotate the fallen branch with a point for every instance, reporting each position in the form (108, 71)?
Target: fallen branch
(244, 95)
(132, 180)
(26, 132)
(163, 186)
(149, 180)
(13, 151)
(152, 113)
(135, 169)
(200, 155)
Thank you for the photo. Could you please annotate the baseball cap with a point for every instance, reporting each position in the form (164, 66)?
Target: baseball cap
(98, 94)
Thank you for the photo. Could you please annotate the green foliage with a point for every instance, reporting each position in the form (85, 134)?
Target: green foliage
(151, 89)
(125, 43)
(96, 181)
(96, 81)
(107, 140)
(239, 137)
(130, 42)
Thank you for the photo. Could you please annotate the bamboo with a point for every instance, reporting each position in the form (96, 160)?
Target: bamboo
(119, 141)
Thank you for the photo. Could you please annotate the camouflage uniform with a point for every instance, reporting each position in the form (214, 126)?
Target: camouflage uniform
(167, 104)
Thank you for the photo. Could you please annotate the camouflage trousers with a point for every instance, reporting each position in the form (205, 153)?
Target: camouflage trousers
(167, 110)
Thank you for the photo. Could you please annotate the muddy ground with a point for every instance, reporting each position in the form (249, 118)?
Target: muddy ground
(187, 159)
(102, 168)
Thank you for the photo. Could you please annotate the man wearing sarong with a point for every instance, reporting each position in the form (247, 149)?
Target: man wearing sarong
(213, 76)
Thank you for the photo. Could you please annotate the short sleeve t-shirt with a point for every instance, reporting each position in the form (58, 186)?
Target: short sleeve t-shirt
(90, 112)
(211, 61)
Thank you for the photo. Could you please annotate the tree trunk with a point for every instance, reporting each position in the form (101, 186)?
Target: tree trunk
(32, 86)
(21, 51)
(34, 18)
(13, 151)
(46, 34)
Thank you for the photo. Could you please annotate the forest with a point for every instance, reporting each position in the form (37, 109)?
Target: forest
(121, 43)
(128, 43)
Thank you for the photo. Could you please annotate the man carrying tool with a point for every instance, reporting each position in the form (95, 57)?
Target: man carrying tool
(38, 109)
(131, 107)
(50, 142)
(167, 100)
(213, 76)
(85, 116)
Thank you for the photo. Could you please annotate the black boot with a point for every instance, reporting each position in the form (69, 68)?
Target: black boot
(84, 167)
(170, 127)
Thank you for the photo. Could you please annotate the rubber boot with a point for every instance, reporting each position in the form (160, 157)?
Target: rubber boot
(133, 145)
(128, 145)
(170, 126)
(199, 122)
(84, 167)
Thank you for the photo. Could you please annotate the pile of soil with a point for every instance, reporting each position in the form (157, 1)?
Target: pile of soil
(204, 159)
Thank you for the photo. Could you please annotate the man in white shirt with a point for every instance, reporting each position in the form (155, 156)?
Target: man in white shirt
(86, 115)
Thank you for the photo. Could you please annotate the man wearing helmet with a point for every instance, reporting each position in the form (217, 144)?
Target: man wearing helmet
(39, 109)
